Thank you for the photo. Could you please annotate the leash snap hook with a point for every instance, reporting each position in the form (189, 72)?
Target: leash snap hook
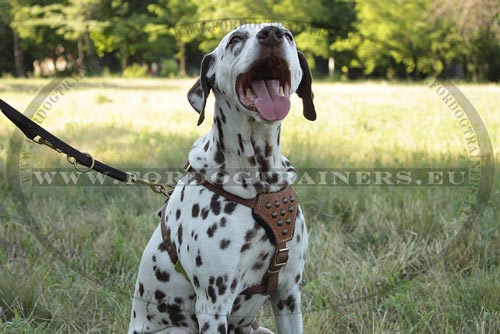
(76, 165)
(156, 187)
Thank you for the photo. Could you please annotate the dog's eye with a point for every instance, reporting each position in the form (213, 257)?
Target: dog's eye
(235, 40)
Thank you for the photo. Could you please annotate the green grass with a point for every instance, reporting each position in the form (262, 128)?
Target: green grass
(361, 238)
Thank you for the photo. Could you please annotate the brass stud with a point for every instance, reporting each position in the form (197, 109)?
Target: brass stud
(288, 221)
(282, 212)
(274, 214)
(277, 204)
(284, 231)
(285, 200)
(292, 198)
(290, 208)
(268, 205)
(280, 222)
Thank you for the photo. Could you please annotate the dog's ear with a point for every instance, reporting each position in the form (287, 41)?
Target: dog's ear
(305, 90)
(198, 94)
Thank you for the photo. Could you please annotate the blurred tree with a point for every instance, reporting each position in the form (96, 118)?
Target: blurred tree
(171, 14)
(390, 37)
(8, 17)
(477, 22)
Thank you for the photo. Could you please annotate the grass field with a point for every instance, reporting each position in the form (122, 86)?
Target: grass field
(362, 238)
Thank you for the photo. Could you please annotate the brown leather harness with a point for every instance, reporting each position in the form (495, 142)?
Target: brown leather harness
(276, 212)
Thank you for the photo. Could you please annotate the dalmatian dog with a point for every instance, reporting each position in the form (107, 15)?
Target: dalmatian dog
(221, 248)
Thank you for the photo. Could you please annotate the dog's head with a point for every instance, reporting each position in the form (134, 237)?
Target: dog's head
(257, 68)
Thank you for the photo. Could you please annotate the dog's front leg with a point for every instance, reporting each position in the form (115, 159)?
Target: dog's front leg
(287, 310)
(212, 317)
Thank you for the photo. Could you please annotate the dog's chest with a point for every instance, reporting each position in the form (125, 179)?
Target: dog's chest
(219, 242)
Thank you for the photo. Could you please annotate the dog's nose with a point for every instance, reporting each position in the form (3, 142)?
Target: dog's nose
(270, 36)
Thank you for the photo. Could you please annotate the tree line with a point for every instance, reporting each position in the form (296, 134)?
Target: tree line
(398, 39)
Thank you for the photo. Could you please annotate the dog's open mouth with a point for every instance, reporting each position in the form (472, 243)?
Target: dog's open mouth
(266, 88)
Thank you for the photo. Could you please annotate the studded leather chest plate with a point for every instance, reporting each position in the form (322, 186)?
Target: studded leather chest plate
(279, 211)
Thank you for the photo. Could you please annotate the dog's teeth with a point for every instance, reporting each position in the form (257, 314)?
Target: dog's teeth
(249, 94)
(282, 91)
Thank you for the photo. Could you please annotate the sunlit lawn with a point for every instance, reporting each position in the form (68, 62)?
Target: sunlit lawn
(361, 238)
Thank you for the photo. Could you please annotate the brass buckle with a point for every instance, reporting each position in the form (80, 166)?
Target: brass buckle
(187, 167)
(276, 264)
(75, 163)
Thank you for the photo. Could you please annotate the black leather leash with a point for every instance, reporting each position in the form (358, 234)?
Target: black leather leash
(41, 136)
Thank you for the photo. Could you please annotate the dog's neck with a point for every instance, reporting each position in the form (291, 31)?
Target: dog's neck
(238, 147)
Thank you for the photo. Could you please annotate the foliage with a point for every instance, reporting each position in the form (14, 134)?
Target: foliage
(370, 38)
(135, 71)
(169, 68)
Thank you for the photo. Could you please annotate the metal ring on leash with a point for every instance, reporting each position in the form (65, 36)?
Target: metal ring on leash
(75, 163)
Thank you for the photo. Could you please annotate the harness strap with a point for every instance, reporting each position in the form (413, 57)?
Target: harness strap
(276, 212)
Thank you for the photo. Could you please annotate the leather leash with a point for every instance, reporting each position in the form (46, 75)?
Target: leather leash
(41, 136)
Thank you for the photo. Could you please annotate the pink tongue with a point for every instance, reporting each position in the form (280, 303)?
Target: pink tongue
(269, 103)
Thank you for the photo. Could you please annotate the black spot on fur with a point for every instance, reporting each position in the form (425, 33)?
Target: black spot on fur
(205, 327)
(141, 289)
(221, 285)
(182, 193)
(297, 278)
(263, 256)
(178, 214)
(224, 243)
(207, 145)
(223, 222)
(198, 260)
(240, 142)
(196, 281)
(212, 294)
(179, 235)
(159, 295)
(245, 247)
(291, 303)
(162, 247)
(162, 276)
(234, 284)
(162, 307)
(215, 204)
(211, 230)
(229, 207)
(250, 235)
(263, 163)
(222, 116)
(268, 150)
(175, 314)
(219, 155)
(195, 211)
(222, 329)
(204, 213)
(258, 266)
